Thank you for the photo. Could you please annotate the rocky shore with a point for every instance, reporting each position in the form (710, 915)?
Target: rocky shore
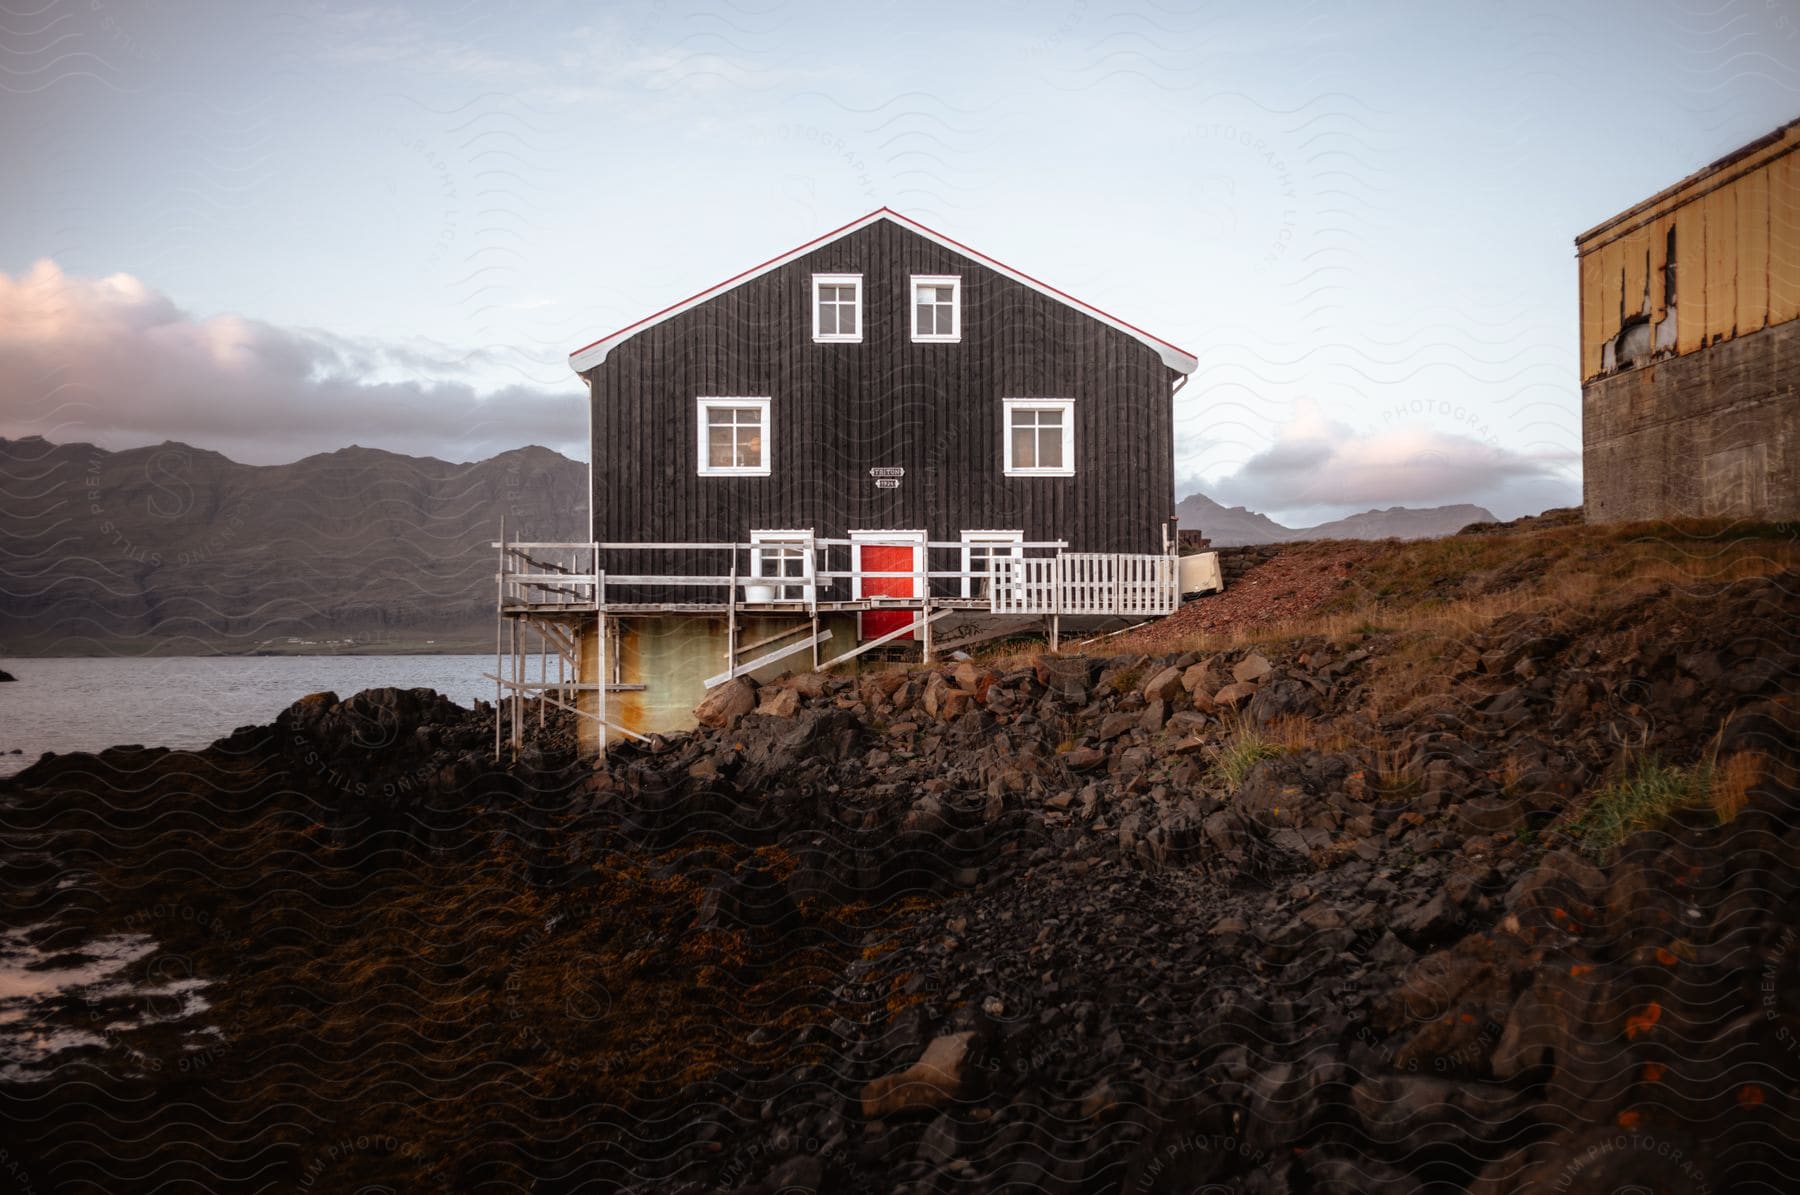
(1339, 913)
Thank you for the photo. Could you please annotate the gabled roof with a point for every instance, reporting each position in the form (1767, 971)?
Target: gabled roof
(584, 359)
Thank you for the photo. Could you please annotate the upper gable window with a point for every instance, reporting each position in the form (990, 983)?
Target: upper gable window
(936, 307)
(734, 437)
(837, 307)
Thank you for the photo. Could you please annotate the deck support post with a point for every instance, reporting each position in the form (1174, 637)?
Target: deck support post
(601, 673)
(731, 620)
(815, 639)
(499, 630)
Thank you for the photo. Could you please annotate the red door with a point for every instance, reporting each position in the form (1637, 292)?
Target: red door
(885, 558)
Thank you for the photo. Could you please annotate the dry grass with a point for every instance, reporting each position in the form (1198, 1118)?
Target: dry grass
(1427, 598)
(1242, 749)
(1295, 733)
(1649, 796)
(1652, 793)
(1732, 779)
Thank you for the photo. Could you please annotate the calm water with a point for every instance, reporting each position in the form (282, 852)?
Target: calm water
(68, 704)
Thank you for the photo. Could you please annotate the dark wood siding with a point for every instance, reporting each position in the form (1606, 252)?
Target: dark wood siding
(837, 410)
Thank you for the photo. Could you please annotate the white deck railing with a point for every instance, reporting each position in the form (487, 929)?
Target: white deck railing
(1086, 583)
(562, 575)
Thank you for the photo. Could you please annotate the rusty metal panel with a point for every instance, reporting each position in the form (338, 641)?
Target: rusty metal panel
(1737, 253)
(1591, 335)
(1690, 276)
(1610, 259)
(1752, 251)
(1659, 261)
(1721, 265)
(1634, 256)
(1784, 239)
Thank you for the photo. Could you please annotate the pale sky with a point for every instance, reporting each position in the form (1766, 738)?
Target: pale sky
(278, 229)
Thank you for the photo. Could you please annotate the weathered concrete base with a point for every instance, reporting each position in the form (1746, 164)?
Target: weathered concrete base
(672, 655)
(1715, 433)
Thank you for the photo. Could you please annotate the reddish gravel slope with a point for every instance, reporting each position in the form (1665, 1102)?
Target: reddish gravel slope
(1292, 585)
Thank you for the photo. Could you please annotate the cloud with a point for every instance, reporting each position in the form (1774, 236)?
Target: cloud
(1320, 468)
(112, 361)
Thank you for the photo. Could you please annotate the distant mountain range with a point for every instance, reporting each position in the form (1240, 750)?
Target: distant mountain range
(1232, 526)
(178, 549)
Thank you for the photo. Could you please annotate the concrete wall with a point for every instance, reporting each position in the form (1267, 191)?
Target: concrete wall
(1710, 433)
(671, 655)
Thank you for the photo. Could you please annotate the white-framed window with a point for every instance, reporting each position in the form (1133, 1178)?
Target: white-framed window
(734, 437)
(936, 308)
(785, 557)
(837, 307)
(1039, 437)
(980, 549)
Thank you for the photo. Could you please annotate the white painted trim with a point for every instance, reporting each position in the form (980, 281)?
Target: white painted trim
(954, 281)
(860, 539)
(704, 401)
(855, 280)
(801, 538)
(585, 358)
(1008, 406)
(988, 539)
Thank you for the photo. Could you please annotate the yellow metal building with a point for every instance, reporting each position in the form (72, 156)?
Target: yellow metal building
(1689, 344)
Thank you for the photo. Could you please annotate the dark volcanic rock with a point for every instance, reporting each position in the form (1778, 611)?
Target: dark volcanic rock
(945, 929)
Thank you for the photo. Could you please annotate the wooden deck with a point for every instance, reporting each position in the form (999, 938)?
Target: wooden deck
(555, 592)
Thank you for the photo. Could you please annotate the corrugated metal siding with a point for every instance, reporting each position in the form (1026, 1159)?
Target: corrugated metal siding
(839, 409)
(1737, 251)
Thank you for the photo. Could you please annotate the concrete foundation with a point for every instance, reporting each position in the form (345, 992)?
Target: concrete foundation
(1713, 433)
(671, 655)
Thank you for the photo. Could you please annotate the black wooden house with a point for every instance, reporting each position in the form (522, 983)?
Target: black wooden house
(879, 438)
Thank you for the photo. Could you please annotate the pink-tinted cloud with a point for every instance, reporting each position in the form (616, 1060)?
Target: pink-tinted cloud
(1318, 465)
(112, 361)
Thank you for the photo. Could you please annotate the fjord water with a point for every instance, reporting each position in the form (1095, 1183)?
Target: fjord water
(86, 704)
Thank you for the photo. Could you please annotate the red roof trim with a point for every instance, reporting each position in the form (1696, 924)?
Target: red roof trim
(864, 219)
(796, 250)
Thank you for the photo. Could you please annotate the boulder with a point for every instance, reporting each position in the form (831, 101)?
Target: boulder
(1418, 1111)
(1082, 758)
(1065, 676)
(808, 684)
(1252, 667)
(721, 708)
(1163, 686)
(1564, 890)
(1492, 814)
(1154, 715)
(1234, 695)
(1114, 725)
(779, 703)
(930, 1083)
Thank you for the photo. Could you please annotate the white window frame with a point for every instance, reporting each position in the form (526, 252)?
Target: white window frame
(1066, 406)
(914, 539)
(954, 282)
(855, 280)
(989, 540)
(703, 405)
(805, 583)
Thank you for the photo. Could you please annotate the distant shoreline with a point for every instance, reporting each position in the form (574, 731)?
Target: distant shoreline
(139, 651)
